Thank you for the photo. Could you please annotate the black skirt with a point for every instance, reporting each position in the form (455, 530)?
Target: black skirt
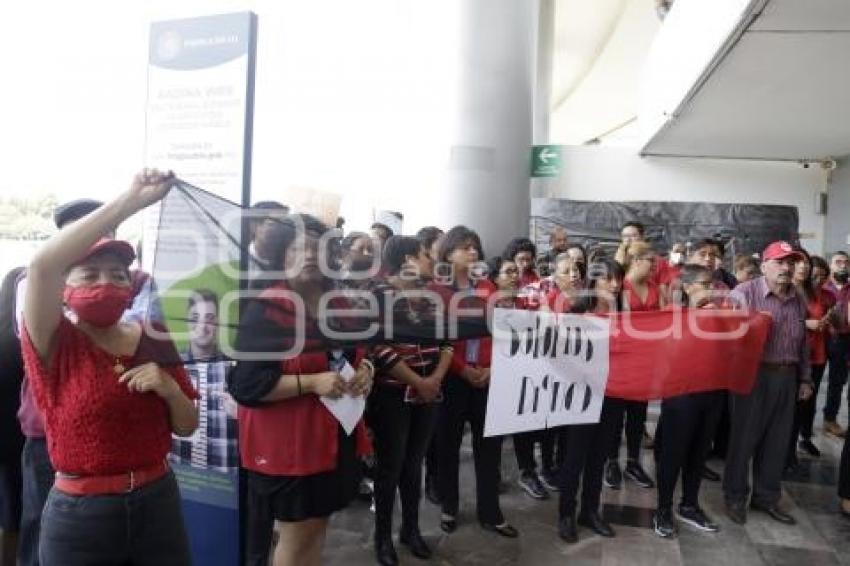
(298, 498)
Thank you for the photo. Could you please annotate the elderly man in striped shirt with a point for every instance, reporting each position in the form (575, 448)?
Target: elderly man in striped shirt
(762, 420)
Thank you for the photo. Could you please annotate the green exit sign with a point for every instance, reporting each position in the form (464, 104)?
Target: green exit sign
(545, 160)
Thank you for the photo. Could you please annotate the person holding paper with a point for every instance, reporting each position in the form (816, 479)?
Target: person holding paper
(404, 404)
(465, 388)
(301, 464)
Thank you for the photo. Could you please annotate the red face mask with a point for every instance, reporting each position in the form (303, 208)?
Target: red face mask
(99, 305)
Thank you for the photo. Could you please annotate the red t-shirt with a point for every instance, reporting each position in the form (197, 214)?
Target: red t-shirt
(94, 425)
(529, 277)
(557, 301)
(817, 309)
(667, 272)
(653, 297)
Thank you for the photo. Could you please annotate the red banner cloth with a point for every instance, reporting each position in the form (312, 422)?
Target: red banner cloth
(655, 355)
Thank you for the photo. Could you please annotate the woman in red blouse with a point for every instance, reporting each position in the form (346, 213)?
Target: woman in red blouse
(301, 464)
(640, 293)
(109, 407)
(640, 289)
(810, 275)
(465, 389)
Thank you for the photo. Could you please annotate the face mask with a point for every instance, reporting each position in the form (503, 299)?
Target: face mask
(361, 264)
(676, 258)
(841, 276)
(98, 305)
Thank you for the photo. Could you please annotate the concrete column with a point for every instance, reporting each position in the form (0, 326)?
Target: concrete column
(487, 184)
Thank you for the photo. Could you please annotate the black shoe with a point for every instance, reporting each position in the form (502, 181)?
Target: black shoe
(597, 524)
(710, 475)
(737, 511)
(365, 490)
(635, 472)
(809, 448)
(567, 529)
(549, 479)
(448, 523)
(696, 517)
(789, 472)
(413, 540)
(530, 483)
(774, 512)
(613, 475)
(505, 529)
(431, 492)
(663, 524)
(385, 551)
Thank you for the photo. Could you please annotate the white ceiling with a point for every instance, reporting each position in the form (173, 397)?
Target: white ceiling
(599, 50)
(782, 91)
(804, 15)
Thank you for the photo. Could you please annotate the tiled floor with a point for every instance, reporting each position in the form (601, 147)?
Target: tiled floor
(821, 537)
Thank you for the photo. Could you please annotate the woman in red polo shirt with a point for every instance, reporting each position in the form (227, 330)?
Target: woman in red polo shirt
(109, 407)
(465, 388)
(302, 465)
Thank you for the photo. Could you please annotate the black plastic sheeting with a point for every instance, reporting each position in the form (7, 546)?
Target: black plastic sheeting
(743, 228)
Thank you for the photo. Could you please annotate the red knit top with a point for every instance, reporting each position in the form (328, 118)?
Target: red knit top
(95, 425)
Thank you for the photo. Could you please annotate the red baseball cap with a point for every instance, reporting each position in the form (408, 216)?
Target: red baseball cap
(780, 250)
(123, 250)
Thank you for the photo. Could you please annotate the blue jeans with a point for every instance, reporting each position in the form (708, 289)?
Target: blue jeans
(38, 477)
(143, 527)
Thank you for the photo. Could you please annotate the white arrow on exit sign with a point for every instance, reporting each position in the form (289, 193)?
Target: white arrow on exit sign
(547, 154)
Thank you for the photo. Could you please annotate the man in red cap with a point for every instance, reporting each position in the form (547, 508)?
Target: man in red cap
(762, 420)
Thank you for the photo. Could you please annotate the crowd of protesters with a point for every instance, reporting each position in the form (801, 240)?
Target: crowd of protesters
(98, 399)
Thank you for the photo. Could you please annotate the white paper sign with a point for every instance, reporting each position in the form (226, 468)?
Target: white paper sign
(347, 409)
(547, 370)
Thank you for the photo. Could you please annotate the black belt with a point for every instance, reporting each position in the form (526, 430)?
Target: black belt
(780, 365)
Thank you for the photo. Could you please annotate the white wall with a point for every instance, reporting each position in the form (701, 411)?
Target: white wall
(618, 174)
(838, 208)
